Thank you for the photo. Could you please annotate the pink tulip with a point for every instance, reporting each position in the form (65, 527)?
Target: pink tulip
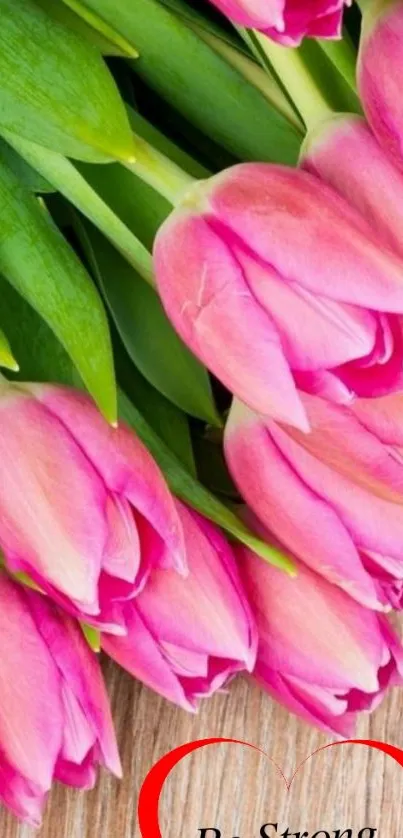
(333, 497)
(84, 510)
(273, 280)
(344, 153)
(287, 21)
(379, 72)
(187, 637)
(55, 722)
(322, 655)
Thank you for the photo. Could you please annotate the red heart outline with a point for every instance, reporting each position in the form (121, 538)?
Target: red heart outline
(151, 789)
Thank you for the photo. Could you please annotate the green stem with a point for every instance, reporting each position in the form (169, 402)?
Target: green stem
(292, 72)
(159, 172)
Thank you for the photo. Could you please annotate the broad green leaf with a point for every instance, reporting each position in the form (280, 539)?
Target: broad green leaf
(170, 423)
(199, 83)
(7, 359)
(92, 636)
(189, 490)
(41, 356)
(43, 268)
(66, 178)
(29, 176)
(146, 333)
(55, 88)
(89, 26)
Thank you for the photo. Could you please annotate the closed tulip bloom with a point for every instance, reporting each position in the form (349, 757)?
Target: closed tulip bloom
(273, 280)
(322, 655)
(84, 510)
(55, 722)
(287, 21)
(333, 497)
(379, 72)
(344, 153)
(187, 637)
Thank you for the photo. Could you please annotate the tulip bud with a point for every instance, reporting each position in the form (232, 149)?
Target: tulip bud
(55, 722)
(273, 280)
(379, 71)
(287, 21)
(187, 637)
(322, 655)
(84, 510)
(333, 497)
(344, 153)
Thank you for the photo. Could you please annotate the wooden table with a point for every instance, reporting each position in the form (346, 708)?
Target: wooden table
(228, 786)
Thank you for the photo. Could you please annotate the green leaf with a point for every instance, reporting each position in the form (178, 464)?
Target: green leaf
(107, 41)
(43, 268)
(7, 359)
(170, 423)
(92, 636)
(40, 355)
(146, 333)
(189, 490)
(66, 178)
(55, 88)
(29, 176)
(199, 83)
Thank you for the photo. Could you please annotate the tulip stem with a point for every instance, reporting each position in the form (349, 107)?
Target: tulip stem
(161, 173)
(290, 68)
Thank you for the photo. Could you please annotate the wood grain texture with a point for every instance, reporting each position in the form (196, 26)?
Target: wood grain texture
(229, 786)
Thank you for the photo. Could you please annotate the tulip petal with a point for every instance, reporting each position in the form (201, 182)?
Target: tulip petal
(140, 654)
(222, 625)
(307, 233)
(122, 461)
(256, 14)
(45, 523)
(371, 513)
(85, 691)
(207, 299)
(298, 517)
(336, 644)
(329, 333)
(30, 708)
(344, 153)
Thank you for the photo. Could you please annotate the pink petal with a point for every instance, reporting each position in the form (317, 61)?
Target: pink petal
(30, 700)
(140, 653)
(122, 461)
(47, 487)
(289, 508)
(337, 646)
(329, 333)
(207, 299)
(345, 154)
(84, 690)
(215, 616)
(307, 233)
(370, 509)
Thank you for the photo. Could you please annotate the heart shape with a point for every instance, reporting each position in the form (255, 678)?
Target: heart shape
(151, 789)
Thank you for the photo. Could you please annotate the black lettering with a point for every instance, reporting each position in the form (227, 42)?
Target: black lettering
(321, 832)
(263, 833)
(206, 829)
(367, 829)
(347, 832)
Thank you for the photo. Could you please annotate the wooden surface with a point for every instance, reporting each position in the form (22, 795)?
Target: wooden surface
(228, 786)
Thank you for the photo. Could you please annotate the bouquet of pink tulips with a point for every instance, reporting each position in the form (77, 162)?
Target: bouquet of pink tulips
(201, 342)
